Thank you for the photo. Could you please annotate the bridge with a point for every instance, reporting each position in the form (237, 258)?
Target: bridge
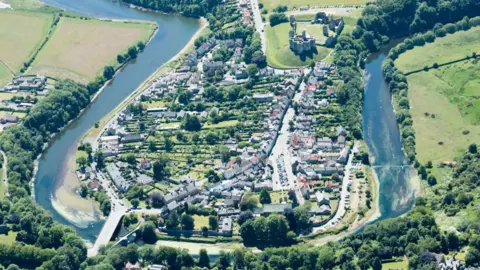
(107, 231)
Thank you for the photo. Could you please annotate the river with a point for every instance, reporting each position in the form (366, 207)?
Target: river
(173, 34)
(382, 136)
(379, 122)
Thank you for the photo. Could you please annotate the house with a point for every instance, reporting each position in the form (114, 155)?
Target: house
(263, 97)
(144, 179)
(212, 65)
(268, 209)
(322, 198)
(8, 118)
(130, 138)
(121, 183)
(225, 225)
(241, 74)
(157, 267)
(322, 210)
(130, 266)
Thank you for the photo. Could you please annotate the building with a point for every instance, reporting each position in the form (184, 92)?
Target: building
(322, 198)
(121, 183)
(268, 209)
(8, 118)
(263, 97)
(301, 43)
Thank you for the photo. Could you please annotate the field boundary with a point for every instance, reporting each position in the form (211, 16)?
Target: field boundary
(436, 65)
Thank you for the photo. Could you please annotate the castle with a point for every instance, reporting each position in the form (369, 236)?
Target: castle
(300, 43)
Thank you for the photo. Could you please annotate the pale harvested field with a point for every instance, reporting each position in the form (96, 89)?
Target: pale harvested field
(80, 49)
(20, 35)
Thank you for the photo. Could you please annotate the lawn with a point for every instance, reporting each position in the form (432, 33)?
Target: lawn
(223, 124)
(316, 31)
(271, 4)
(395, 265)
(8, 239)
(21, 33)
(278, 51)
(200, 221)
(451, 47)
(79, 49)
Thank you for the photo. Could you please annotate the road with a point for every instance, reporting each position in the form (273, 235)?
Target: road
(4, 176)
(341, 205)
(259, 25)
(280, 150)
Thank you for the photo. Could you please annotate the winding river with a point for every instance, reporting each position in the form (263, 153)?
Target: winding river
(380, 128)
(173, 34)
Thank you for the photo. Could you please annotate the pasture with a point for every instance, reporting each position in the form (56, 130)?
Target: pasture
(442, 113)
(21, 33)
(79, 49)
(451, 47)
(5, 74)
(444, 102)
(278, 51)
(291, 4)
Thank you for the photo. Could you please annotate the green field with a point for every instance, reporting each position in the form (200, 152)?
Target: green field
(200, 221)
(5, 74)
(278, 51)
(69, 53)
(395, 265)
(437, 95)
(450, 93)
(8, 239)
(451, 47)
(271, 4)
(21, 33)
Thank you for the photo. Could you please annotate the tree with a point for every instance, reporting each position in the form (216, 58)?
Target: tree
(453, 241)
(472, 148)
(277, 18)
(132, 52)
(148, 233)
(120, 59)
(83, 190)
(432, 180)
(187, 221)
(108, 72)
(203, 259)
(106, 207)
(172, 221)
(249, 201)
(157, 199)
(223, 261)
(100, 160)
(168, 143)
(252, 71)
(265, 197)
(247, 232)
(82, 161)
(213, 223)
(244, 216)
(135, 203)
(131, 159)
(140, 45)
(211, 138)
(191, 123)
(160, 170)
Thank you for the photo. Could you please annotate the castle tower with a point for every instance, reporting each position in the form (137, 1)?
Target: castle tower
(304, 34)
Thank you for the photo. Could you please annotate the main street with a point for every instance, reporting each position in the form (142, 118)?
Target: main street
(281, 153)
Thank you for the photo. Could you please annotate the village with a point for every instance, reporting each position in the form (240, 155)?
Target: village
(218, 137)
(19, 96)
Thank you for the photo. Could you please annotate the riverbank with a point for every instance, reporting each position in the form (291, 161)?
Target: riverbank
(67, 201)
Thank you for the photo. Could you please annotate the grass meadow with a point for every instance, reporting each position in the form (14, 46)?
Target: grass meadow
(451, 47)
(5, 74)
(445, 103)
(278, 49)
(271, 4)
(79, 49)
(21, 33)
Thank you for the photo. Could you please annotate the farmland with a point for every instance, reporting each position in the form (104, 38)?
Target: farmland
(21, 34)
(69, 52)
(444, 102)
(271, 4)
(279, 53)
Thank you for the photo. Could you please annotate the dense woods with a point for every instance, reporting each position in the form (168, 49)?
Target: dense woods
(190, 8)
